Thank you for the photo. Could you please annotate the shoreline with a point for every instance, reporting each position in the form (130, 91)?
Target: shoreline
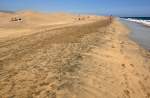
(138, 33)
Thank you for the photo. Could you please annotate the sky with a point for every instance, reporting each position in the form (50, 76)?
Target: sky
(101, 7)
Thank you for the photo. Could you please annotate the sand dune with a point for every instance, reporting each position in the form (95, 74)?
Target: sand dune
(89, 58)
(35, 21)
(34, 18)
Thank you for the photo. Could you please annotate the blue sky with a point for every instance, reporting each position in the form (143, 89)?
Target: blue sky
(103, 7)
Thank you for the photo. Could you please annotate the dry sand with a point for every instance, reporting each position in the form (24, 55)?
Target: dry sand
(58, 56)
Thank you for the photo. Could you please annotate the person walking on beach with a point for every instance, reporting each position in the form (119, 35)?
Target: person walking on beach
(110, 19)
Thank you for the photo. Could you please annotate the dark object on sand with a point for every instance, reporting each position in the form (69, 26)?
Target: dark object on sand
(79, 18)
(16, 19)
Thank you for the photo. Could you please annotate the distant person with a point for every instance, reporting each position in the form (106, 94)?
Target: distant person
(110, 19)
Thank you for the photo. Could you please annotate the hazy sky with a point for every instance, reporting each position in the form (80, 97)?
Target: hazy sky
(104, 7)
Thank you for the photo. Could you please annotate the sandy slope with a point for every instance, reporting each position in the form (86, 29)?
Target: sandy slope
(33, 22)
(81, 59)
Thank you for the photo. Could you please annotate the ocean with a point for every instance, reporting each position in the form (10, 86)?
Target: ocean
(138, 33)
(139, 18)
(142, 20)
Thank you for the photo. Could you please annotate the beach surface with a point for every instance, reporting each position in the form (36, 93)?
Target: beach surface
(61, 55)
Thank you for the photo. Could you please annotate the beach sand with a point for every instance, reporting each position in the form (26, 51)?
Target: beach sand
(62, 55)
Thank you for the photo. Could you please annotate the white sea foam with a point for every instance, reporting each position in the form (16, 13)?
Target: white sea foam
(144, 22)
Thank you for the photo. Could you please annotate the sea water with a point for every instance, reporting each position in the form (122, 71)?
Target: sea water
(139, 33)
(142, 20)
